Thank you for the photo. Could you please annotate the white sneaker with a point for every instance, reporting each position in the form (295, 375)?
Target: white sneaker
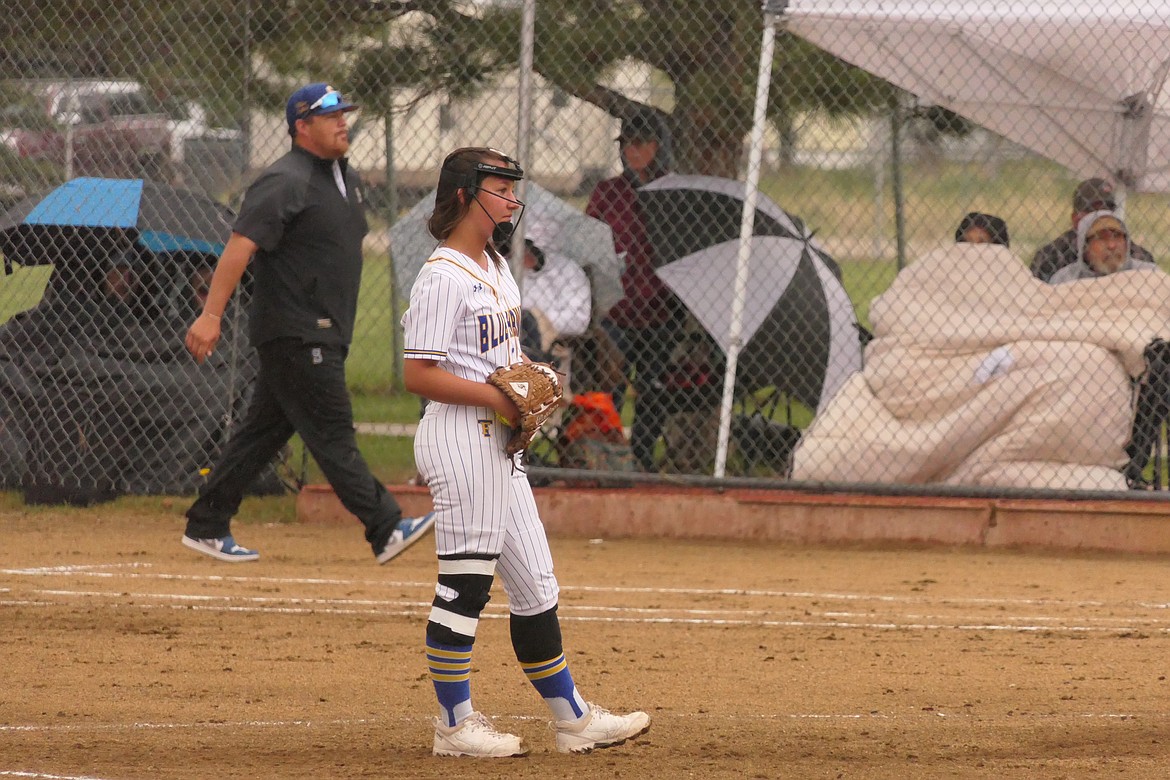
(599, 729)
(476, 737)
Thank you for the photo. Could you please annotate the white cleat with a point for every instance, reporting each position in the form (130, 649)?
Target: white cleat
(599, 729)
(476, 737)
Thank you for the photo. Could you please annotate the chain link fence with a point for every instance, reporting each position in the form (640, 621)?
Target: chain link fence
(967, 370)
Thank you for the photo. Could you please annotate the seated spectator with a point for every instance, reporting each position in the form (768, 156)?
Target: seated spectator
(1104, 248)
(557, 297)
(978, 228)
(121, 280)
(200, 281)
(119, 303)
(1090, 196)
(557, 289)
(980, 375)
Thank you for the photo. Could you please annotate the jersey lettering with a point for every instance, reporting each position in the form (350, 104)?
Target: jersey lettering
(497, 327)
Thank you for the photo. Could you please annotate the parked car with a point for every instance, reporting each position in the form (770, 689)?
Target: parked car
(90, 127)
(188, 122)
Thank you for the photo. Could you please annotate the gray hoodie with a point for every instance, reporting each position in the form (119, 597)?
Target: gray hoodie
(1081, 269)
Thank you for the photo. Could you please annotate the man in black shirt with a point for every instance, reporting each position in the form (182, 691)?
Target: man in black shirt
(302, 223)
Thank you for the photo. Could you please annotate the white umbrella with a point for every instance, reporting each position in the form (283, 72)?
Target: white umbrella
(1081, 83)
(553, 224)
(799, 329)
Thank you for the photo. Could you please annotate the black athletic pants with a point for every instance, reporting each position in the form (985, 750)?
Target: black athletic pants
(647, 352)
(300, 388)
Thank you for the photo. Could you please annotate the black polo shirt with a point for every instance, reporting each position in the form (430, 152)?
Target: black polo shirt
(309, 266)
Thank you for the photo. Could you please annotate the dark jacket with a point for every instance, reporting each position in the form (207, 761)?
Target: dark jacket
(309, 267)
(647, 302)
(995, 226)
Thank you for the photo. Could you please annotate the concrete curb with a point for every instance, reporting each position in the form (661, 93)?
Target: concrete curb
(803, 518)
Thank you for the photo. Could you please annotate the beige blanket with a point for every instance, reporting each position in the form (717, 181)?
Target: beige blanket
(980, 374)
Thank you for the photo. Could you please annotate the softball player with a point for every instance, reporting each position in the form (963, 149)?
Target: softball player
(462, 324)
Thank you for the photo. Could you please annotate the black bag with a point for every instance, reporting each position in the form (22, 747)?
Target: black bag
(764, 442)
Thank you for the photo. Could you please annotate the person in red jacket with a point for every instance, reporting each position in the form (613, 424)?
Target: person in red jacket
(646, 322)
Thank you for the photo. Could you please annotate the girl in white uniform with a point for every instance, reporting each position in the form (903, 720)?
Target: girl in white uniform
(462, 324)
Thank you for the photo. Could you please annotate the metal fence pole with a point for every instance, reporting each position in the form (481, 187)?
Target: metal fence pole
(391, 217)
(896, 176)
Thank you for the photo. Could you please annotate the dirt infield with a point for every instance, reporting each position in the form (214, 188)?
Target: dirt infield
(126, 657)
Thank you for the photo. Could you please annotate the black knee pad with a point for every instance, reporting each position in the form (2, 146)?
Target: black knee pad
(454, 622)
(536, 638)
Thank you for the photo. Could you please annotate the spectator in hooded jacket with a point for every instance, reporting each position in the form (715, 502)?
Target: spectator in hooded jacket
(1090, 195)
(1103, 248)
(978, 228)
(645, 323)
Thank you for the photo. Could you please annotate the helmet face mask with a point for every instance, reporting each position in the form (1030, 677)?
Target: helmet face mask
(472, 179)
(464, 169)
(512, 171)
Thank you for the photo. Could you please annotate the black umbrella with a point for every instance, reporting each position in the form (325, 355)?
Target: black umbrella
(685, 214)
(91, 215)
(799, 329)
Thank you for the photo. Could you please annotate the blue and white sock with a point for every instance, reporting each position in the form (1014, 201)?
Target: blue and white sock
(555, 685)
(450, 669)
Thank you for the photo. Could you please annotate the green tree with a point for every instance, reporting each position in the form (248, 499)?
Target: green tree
(706, 53)
(174, 47)
(235, 55)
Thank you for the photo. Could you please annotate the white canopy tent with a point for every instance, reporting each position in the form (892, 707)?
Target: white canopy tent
(1082, 83)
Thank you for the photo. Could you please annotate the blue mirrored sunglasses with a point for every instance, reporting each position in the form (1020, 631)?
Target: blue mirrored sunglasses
(330, 99)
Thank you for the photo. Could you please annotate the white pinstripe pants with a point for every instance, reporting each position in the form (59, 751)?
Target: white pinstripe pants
(481, 506)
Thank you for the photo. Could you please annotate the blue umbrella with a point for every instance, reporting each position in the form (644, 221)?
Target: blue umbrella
(84, 212)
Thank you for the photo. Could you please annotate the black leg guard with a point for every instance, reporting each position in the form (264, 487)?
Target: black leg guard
(453, 622)
(536, 638)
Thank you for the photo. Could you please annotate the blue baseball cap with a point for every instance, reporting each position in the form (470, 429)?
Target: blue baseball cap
(314, 100)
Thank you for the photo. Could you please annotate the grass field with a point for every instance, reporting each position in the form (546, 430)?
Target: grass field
(1033, 196)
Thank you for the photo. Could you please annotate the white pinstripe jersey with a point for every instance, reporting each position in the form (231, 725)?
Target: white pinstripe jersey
(466, 318)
